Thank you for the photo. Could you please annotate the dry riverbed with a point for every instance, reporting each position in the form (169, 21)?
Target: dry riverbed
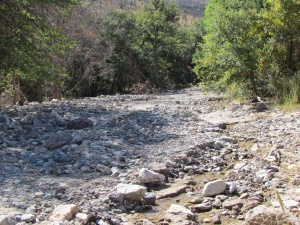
(213, 161)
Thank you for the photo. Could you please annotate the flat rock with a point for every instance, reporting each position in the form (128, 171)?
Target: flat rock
(203, 207)
(172, 191)
(64, 212)
(214, 188)
(84, 218)
(28, 218)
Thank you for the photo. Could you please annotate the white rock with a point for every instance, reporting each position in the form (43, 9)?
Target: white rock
(131, 191)
(178, 209)
(27, 218)
(148, 176)
(287, 203)
(64, 212)
(214, 188)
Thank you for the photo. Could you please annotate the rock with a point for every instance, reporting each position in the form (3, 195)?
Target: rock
(229, 140)
(287, 203)
(150, 198)
(148, 176)
(103, 169)
(7, 220)
(147, 222)
(178, 209)
(263, 215)
(28, 218)
(79, 123)
(214, 188)
(58, 139)
(197, 200)
(217, 203)
(203, 207)
(172, 191)
(229, 204)
(116, 197)
(131, 191)
(64, 212)
(84, 218)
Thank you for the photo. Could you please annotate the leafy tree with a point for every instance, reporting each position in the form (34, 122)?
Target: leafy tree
(31, 47)
(158, 42)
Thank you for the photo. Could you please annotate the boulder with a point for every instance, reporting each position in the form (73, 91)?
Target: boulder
(178, 209)
(214, 188)
(148, 176)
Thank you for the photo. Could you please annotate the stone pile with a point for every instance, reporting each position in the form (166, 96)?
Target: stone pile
(95, 160)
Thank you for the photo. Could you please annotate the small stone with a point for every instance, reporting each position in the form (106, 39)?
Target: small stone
(244, 196)
(229, 140)
(79, 123)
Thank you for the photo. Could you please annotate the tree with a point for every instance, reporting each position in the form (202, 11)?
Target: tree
(31, 46)
(229, 53)
(158, 42)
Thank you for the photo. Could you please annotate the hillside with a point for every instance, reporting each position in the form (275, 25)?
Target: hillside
(192, 7)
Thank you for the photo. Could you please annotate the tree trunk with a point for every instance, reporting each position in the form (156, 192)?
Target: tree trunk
(253, 84)
(39, 96)
(16, 88)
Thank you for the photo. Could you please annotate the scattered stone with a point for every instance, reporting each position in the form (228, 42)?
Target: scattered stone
(214, 188)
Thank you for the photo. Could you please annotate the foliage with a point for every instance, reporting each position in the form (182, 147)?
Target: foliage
(31, 47)
(253, 44)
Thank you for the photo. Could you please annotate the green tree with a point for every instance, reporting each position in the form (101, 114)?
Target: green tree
(158, 41)
(229, 53)
(31, 46)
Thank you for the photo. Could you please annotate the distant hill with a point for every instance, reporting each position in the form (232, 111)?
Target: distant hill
(192, 7)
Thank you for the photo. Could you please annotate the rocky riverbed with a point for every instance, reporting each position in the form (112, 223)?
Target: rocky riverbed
(176, 158)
